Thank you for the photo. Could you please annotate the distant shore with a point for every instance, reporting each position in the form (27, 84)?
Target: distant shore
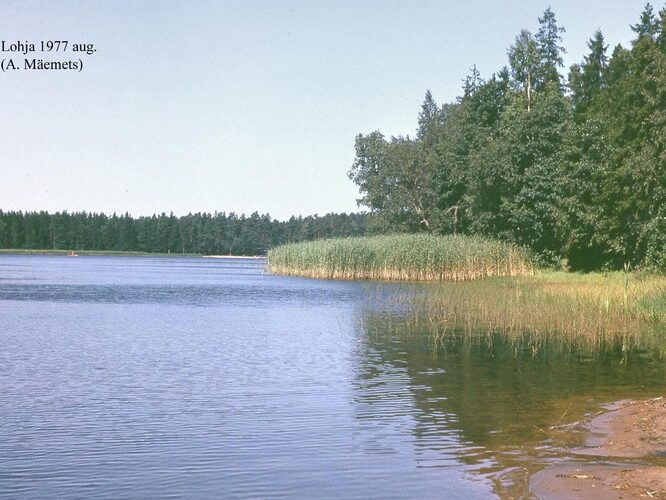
(113, 253)
(249, 257)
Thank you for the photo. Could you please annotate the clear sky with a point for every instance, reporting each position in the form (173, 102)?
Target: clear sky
(240, 106)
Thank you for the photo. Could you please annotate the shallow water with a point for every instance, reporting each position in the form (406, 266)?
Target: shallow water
(139, 377)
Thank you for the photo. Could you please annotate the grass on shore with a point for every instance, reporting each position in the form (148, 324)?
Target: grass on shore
(596, 312)
(415, 257)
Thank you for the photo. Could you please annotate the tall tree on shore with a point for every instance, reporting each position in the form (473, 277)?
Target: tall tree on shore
(661, 32)
(472, 82)
(589, 78)
(428, 117)
(549, 46)
(648, 24)
(395, 180)
(524, 59)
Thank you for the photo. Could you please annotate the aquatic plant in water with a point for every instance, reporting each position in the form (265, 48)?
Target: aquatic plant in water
(591, 313)
(415, 257)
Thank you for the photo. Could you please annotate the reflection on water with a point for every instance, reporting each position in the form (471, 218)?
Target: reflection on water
(181, 377)
(497, 398)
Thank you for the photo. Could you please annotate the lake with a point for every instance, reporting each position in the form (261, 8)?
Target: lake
(174, 377)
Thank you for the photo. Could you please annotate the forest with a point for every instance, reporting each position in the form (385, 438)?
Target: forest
(200, 233)
(570, 165)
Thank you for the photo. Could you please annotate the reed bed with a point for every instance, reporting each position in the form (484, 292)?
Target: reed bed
(595, 312)
(401, 257)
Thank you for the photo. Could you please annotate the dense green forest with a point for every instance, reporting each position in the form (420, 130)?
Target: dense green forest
(572, 166)
(201, 233)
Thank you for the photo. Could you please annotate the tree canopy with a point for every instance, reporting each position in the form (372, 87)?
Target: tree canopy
(574, 168)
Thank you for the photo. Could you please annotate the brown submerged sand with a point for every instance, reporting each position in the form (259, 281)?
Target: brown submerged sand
(623, 457)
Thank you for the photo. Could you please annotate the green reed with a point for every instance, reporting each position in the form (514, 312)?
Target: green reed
(593, 312)
(401, 257)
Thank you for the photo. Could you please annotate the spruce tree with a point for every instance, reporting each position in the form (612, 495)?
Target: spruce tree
(550, 50)
(587, 80)
(428, 115)
(648, 24)
(472, 82)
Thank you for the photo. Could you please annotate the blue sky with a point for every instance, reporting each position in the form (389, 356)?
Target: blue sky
(240, 106)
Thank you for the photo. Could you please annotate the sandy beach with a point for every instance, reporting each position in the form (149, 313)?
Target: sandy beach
(624, 456)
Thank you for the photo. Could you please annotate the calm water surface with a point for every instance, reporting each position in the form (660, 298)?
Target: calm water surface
(143, 377)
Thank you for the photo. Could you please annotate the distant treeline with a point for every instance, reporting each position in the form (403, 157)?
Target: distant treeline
(200, 233)
(573, 167)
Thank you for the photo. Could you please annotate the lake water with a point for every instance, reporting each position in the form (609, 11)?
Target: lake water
(175, 377)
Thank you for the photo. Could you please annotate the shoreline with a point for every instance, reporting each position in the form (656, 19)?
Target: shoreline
(624, 456)
(112, 253)
(247, 257)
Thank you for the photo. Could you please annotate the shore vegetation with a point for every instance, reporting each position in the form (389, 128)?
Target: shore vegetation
(405, 257)
(594, 312)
